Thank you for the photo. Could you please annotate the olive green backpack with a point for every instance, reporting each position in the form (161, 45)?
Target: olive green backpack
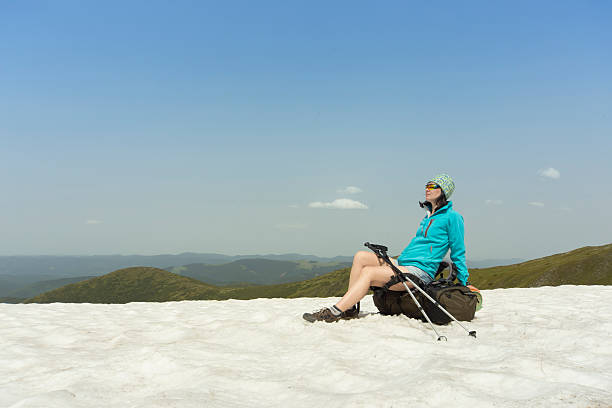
(460, 301)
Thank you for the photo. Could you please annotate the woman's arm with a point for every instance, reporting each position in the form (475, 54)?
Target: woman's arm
(457, 246)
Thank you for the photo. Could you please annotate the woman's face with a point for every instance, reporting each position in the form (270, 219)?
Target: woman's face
(432, 195)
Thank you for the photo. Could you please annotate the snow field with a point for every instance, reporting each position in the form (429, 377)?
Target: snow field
(538, 347)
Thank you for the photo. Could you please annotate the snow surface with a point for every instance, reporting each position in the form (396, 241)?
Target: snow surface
(540, 347)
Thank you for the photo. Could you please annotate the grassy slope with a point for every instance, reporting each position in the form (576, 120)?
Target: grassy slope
(137, 284)
(331, 284)
(256, 271)
(8, 299)
(583, 266)
(143, 284)
(45, 286)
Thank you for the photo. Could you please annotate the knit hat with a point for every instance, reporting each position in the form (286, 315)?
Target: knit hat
(446, 183)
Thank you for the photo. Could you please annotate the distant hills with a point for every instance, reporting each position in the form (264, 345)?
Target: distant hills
(99, 264)
(45, 286)
(146, 284)
(584, 266)
(257, 271)
(242, 272)
(487, 263)
(137, 284)
(590, 265)
(26, 276)
(17, 273)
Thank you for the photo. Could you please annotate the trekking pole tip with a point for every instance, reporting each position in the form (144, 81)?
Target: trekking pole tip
(472, 333)
(442, 338)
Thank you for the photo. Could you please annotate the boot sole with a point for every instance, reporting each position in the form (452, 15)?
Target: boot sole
(310, 318)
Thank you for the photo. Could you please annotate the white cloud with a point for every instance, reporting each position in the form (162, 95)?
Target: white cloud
(291, 226)
(350, 190)
(550, 173)
(340, 204)
(494, 202)
(536, 204)
(93, 222)
(294, 206)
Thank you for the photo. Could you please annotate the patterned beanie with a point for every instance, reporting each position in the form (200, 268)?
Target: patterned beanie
(446, 183)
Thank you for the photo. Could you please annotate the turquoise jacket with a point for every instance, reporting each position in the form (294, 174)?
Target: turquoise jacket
(437, 234)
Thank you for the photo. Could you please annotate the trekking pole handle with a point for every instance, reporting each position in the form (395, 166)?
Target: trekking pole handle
(381, 252)
(375, 247)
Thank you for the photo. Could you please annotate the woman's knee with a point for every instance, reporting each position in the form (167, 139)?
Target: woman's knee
(377, 275)
(365, 258)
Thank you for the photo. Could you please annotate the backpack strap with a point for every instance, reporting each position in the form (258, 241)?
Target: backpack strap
(451, 276)
(391, 282)
(441, 268)
(394, 280)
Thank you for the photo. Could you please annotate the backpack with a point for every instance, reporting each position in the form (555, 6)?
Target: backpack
(460, 301)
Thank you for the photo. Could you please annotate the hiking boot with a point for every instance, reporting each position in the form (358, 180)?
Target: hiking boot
(324, 315)
(352, 313)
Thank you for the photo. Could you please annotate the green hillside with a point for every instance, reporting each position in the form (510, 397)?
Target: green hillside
(145, 284)
(331, 284)
(8, 299)
(583, 266)
(257, 271)
(137, 284)
(45, 286)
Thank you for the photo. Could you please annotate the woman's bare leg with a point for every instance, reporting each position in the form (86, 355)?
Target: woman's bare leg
(369, 276)
(361, 260)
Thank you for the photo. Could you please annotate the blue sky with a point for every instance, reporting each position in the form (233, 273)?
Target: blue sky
(163, 127)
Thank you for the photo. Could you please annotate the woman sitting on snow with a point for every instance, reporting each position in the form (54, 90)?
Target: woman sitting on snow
(440, 230)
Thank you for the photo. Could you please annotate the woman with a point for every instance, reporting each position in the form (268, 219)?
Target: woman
(439, 231)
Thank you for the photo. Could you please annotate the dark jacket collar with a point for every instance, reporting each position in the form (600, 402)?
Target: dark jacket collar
(428, 207)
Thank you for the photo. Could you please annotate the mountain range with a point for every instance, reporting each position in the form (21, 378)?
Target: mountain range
(27, 276)
(257, 271)
(238, 273)
(21, 274)
(583, 266)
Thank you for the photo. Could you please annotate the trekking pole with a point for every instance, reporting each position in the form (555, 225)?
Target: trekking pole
(381, 252)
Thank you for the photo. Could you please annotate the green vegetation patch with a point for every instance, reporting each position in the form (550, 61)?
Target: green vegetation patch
(584, 266)
(136, 284)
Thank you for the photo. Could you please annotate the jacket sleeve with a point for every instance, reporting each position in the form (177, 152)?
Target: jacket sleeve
(457, 246)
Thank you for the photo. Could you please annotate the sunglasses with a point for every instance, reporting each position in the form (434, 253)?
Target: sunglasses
(431, 186)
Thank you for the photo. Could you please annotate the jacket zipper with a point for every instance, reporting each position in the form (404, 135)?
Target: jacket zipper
(430, 221)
